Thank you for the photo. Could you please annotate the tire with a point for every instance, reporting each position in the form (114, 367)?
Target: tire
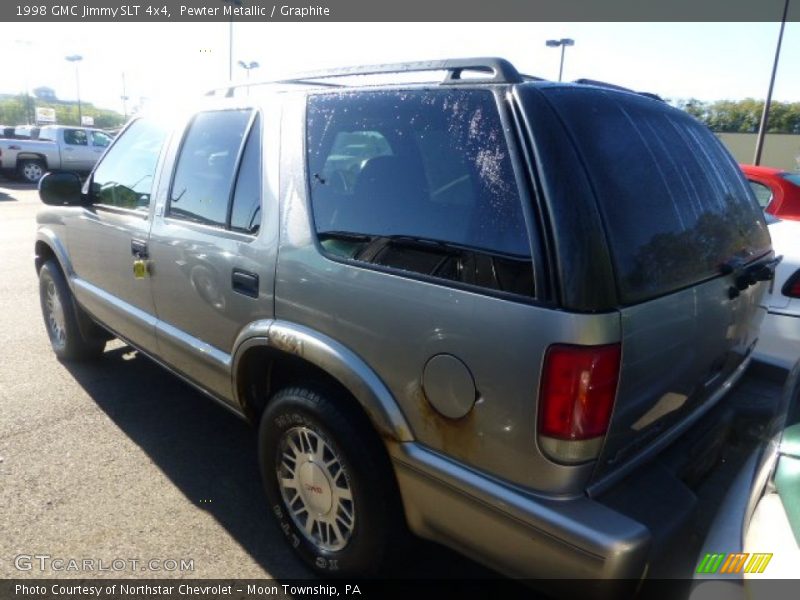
(31, 171)
(348, 475)
(60, 317)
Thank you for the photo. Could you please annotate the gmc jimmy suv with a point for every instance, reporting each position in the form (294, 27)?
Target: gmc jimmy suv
(475, 308)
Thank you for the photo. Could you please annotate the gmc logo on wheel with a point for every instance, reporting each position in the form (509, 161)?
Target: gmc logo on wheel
(313, 488)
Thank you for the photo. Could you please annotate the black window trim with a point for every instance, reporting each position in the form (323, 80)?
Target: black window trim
(513, 142)
(254, 111)
(256, 116)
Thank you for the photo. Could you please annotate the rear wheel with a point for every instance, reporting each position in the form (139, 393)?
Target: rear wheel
(31, 171)
(329, 483)
(60, 319)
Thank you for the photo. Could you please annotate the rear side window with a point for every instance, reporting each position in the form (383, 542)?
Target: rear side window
(419, 181)
(674, 203)
(124, 177)
(206, 166)
(75, 137)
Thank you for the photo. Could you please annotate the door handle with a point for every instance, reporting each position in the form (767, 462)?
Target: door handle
(244, 282)
(139, 249)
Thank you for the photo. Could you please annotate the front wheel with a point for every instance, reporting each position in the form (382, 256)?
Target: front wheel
(329, 483)
(60, 319)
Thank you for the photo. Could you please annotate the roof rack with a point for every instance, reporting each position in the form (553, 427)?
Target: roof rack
(613, 86)
(498, 70)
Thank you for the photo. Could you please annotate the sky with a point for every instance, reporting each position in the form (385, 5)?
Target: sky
(169, 62)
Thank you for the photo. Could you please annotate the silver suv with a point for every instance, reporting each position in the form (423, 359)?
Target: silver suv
(475, 309)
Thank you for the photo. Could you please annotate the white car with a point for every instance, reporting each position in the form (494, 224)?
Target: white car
(779, 342)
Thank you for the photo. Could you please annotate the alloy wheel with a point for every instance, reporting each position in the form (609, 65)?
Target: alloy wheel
(55, 315)
(315, 489)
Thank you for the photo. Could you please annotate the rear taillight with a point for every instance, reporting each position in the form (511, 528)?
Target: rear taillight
(579, 384)
(792, 286)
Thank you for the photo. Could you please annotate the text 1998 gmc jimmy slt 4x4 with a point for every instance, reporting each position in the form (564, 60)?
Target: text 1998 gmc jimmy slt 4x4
(477, 308)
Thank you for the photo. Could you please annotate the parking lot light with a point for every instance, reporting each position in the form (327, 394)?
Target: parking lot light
(563, 43)
(249, 66)
(234, 4)
(762, 126)
(76, 58)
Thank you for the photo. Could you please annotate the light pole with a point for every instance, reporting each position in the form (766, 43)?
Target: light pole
(248, 66)
(563, 42)
(234, 4)
(762, 127)
(124, 98)
(76, 58)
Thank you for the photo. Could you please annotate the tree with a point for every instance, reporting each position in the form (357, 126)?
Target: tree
(12, 112)
(742, 116)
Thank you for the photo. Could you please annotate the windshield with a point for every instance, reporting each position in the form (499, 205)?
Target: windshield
(793, 178)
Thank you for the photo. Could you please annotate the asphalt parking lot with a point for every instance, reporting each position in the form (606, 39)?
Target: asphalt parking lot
(118, 459)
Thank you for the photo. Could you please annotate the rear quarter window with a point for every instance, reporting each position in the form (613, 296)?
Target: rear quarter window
(673, 202)
(419, 182)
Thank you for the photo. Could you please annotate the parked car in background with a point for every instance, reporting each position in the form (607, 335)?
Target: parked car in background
(755, 534)
(58, 147)
(777, 191)
(480, 308)
(779, 340)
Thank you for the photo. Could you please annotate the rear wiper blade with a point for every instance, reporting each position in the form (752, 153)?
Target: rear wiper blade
(763, 269)
(747, 274)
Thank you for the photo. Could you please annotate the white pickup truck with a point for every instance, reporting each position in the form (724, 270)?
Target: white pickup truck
(59, 147)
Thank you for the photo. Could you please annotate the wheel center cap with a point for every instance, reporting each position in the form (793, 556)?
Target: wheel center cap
(315, 489)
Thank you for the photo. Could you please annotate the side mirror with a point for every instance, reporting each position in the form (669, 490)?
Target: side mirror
(60, 188)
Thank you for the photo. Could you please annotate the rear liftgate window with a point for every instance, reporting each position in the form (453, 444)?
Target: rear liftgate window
(421, 182)
(674, 203)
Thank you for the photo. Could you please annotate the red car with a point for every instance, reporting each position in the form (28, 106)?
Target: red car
(777, 191)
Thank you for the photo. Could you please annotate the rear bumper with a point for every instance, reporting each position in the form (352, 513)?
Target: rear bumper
(779, 340)
(511, 530)
(634, 527)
